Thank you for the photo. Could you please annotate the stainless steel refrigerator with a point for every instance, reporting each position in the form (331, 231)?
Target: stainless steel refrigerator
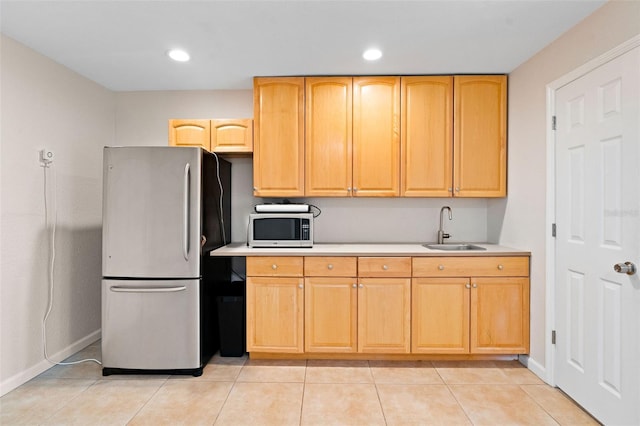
(164, 210)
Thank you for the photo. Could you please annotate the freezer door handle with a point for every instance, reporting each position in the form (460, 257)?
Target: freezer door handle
(119, 289)
(186, 213)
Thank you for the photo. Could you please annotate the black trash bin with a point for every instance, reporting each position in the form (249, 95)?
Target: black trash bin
(231, 319)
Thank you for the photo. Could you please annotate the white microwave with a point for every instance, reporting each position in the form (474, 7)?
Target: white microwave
(280, 230)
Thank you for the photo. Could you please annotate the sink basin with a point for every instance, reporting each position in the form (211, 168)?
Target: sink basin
(454, 247)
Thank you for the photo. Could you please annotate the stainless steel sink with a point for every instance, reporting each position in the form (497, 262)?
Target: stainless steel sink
(454, 247)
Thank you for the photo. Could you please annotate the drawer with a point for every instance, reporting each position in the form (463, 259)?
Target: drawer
(272, 266)
(471, 266)
(337, 266)
(384, 266)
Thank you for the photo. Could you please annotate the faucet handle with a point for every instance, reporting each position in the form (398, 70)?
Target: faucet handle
(446, 235)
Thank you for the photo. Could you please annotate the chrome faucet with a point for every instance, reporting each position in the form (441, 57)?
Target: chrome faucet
(441, 233)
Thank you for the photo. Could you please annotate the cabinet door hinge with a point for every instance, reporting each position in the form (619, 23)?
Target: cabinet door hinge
(553, 230)
(553, 123)
(553, 337)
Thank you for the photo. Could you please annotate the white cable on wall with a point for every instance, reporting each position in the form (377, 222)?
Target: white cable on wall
(52, 262)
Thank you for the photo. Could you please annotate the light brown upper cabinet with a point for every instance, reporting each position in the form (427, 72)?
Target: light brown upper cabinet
(422, 136)
(328, 136)
(232, 135)
(426, 136)
(480, 136)
(376, 137)
(278, 152)
(190, 133)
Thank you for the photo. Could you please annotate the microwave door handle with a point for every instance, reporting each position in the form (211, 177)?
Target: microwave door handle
(186, 212)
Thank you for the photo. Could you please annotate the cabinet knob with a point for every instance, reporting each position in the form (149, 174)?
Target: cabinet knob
(450, 189)
(274, 266)
(500, 267)
(355, 189)
(467, 285)
(361, 286)
(441, 267)
(474, 285)
(349, 189)
(457, 189)
(300, 286)
(385, 267)
(354, 285)
(255, 189)
(330, 266)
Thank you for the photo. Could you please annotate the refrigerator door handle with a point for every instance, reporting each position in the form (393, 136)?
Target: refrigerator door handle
(118, 289)
(186, 212)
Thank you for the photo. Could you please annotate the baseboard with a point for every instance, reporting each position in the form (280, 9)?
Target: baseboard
(535, 367)
(24, 376)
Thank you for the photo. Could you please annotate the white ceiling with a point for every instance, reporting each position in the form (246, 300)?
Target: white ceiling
(122, 44)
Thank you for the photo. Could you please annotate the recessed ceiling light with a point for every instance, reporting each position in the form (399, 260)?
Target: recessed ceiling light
(372, 54)
(178, 55)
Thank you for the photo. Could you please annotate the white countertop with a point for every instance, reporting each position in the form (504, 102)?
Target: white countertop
(380, 249)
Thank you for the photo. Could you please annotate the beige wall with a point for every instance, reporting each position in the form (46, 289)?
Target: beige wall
(520, 220)
(46, 105)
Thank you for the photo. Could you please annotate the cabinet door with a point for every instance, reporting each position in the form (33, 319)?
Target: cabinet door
(330, 314)
(499, 315)
(384, 315)
(426, 137)
(440, 316)
(480, 136)
(376, 136)
(275, 314)
(232, 135)
(328, 130)
(278, 152)
(190, 133)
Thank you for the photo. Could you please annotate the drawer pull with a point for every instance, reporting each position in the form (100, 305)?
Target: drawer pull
(274, 266)
(330, 266)
(385, 267)
(500, 267)
(441, 267)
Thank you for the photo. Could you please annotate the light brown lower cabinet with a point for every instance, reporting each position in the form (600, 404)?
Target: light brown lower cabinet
(369, 313)
(331, 315)
(440, 315)
(499, 315)
(384, 315)
(371, 305)
(275, 304)
(470, 305)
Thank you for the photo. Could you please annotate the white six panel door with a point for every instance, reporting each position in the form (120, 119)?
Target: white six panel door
(597, 311)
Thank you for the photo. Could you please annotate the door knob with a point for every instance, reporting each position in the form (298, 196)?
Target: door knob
(625, 268)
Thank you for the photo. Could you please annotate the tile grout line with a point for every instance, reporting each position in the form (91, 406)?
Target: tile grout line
(452, 394)
(384, 417)
(235, 381)
(304, 388)
(70, 401)
(147, 401)
(539, 404)
(459, 404)
(225, 401)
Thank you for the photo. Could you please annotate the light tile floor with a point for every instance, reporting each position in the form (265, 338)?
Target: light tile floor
(239, 391)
